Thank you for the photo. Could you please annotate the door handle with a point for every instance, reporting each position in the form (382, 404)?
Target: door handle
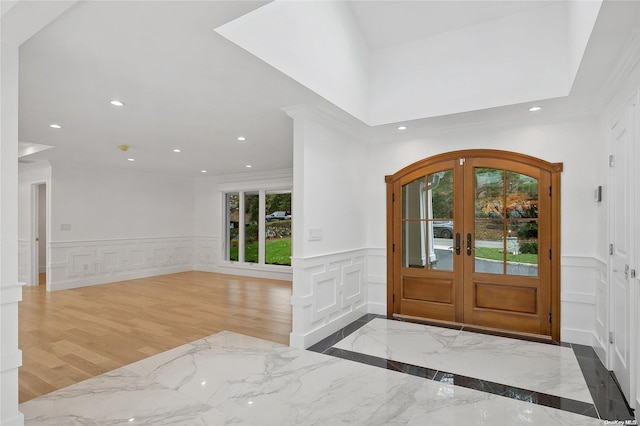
(457, 243)
(469, 244)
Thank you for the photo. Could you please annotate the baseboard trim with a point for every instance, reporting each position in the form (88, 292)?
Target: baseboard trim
(66, 285)
(257, 273)
(303, 341)
(581, 337)
(14, 421)
(377, 308)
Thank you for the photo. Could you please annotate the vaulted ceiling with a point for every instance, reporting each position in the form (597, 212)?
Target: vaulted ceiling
(196, 76)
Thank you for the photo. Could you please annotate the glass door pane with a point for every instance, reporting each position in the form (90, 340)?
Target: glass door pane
(522, 227)
(506, 222)
(427, 222)
(489, 221)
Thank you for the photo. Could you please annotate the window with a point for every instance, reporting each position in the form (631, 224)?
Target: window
(278, 228)
(233, 228)
(262, 233)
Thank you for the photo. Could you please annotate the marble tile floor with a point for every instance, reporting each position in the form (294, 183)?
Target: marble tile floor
(229, 378)
(567, 377)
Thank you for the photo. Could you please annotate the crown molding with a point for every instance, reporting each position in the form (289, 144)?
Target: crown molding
(625, 64)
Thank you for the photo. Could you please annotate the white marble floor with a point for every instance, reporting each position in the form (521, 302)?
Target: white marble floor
(539, 367)
(229, 378)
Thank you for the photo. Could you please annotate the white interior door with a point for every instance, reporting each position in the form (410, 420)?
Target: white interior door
(621, 350)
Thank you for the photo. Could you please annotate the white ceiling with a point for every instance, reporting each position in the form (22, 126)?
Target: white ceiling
(389, 23)
(185, 86)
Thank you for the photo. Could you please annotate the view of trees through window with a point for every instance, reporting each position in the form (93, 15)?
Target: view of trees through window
(275, 230)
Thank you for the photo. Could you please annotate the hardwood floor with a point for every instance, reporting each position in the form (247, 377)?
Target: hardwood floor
(71, 335)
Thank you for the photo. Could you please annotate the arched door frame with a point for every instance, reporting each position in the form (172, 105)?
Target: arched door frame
(555, 170)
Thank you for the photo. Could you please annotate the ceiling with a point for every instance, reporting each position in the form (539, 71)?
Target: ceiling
(389, 23)
(184, 86)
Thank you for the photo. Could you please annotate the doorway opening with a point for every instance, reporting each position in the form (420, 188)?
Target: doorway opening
(473, 238)
(39, 234)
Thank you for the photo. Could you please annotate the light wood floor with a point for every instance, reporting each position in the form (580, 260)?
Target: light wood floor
(71, 335)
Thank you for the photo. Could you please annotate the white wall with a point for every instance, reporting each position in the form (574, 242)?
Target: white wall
(107, 204)
(112, 224)
(443, 65)
(329, 273)
(15, 28)
(578, 144)
(10, 288)
(282, 33)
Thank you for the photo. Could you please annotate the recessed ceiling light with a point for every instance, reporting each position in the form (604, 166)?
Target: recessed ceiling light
(55, 126)
(131, 159)
(203, 171)
(402, 127)
(242, 138)
(116, 103)
(176, 150)
(248, 166)
(535, 108)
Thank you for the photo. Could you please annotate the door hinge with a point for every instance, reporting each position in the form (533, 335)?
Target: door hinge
(611, 339)
(393, 248)
(612, 160)
(549, 317)
(611, 249)
(633, 273)
(393, 197)
(549, 191)
(550, 254)
(393, 298)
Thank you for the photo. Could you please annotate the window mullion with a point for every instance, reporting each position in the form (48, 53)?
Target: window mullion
(261, 228)
(241, 225)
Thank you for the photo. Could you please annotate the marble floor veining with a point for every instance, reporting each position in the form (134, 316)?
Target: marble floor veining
(229, 378)
(553, 375)
(539, 367)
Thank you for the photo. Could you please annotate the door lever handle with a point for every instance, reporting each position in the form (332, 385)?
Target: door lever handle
(457, 243)
(469, 244)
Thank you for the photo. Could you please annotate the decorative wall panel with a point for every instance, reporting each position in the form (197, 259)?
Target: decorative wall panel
(82, 263)
(582, 279)
(330, 292)
(207, 253)
(377, 281)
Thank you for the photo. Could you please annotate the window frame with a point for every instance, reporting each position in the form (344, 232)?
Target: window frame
(262, 189)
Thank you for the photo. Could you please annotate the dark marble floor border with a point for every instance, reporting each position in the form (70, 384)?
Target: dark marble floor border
(609, 403)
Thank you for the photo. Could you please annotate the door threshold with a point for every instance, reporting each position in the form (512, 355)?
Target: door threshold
(538, 338)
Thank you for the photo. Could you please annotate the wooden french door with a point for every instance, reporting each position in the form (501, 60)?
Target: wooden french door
(473, 238)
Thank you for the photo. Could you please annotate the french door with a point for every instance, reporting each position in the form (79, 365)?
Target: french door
(473, 239)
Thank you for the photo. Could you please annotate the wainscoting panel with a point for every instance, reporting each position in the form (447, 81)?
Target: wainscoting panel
(207, 253)
(583, 301)
(329, 293)
(82, 263)
(377, 281)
